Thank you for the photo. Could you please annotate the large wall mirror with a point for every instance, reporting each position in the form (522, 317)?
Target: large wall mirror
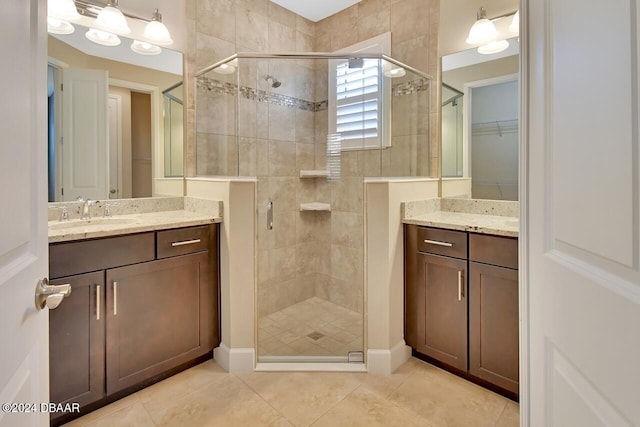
(480, 107)
(115, 120)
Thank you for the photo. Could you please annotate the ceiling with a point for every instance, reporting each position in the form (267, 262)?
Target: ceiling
(315, 10)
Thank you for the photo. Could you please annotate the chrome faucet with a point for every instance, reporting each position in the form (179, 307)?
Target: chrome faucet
(86, 204)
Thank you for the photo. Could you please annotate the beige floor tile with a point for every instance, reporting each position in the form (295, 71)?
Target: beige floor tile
(365, 408)
(301, 344)
(446, 400)
(116, 406)
(229, 403)
(202, 374)
(302, 397)
(510, 416)
(132, 416)
(344, 337)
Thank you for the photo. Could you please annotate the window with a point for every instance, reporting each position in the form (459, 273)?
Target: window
(359, 98)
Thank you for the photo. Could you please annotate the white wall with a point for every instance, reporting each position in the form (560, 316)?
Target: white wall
(237, 267)
(495, 102)
(494, 146)
(384, 244)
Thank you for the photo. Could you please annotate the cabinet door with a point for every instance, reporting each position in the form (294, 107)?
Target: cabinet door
(441, 305)
(158, 317)
(76, 342)
(493, 324)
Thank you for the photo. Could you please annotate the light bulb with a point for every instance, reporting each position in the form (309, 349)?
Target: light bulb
(102, 37)
(493, 47)
(57, 26)
(144, 48)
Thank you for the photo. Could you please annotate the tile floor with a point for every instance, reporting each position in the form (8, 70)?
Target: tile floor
(314, 327)
(417, 394)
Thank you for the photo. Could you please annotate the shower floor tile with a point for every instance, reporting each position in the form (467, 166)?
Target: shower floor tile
(314, 327)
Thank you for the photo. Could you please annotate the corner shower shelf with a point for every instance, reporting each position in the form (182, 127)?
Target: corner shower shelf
(315, 206)
(314, 173)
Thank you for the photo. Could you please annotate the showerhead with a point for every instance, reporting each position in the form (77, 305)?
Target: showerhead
(274, 82)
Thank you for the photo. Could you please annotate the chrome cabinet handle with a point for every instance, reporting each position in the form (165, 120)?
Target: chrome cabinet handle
(438, 243)
(97, 302)
(460, 286)
(115, 298)
(185, 242)
(270, 215)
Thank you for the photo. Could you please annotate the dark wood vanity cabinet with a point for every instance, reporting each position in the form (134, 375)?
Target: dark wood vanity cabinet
(493, 310)
(461, 303)
(158, 317)
(149, 305)
(76, 342)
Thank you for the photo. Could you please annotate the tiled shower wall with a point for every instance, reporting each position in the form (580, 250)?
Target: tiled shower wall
(306, 254)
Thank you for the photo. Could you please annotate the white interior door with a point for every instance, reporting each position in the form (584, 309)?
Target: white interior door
(85, 165)
(24, 365)
(114, 104)
(583, 210)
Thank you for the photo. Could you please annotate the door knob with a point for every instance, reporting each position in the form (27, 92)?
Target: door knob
(50, 295)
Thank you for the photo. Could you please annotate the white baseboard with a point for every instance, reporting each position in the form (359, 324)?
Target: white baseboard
(387, 361)
(235, 359)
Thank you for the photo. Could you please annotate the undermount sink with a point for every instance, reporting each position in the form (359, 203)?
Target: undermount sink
(63, 225)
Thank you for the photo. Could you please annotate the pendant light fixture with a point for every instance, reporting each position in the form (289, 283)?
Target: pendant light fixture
(112, 20)
(156, 32)
(59, 15)
(483, 30)
(109, 22)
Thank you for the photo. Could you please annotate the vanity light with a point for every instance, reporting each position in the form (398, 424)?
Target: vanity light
(102, 37)
(515, 23)
(112, 20)
(56, 26)
(144, 48)
(156, 32)
(493, 47)
(59, 13)
(395, 72)
(483, 30)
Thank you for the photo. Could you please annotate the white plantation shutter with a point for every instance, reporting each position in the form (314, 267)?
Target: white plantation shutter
(360, 98)
(357, 93)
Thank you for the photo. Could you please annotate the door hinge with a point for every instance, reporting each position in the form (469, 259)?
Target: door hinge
(61, 86)
(62, 191)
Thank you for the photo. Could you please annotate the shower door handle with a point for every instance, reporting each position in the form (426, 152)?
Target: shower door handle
(270, 215)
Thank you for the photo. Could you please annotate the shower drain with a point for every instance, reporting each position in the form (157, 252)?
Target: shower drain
(315, 335)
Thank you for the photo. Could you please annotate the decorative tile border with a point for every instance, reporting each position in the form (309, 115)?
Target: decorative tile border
(410, 87)
(252, 94)
(258, 95)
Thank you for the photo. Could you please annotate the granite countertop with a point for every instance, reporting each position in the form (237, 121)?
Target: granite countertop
(134, 217)
(476, 216)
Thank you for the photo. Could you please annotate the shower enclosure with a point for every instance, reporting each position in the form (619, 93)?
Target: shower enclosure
(311, 128)
(452, 132)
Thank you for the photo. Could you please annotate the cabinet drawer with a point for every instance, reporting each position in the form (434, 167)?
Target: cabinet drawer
(442, 242)
(495, 250)
(182, 241)
(66, 259)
